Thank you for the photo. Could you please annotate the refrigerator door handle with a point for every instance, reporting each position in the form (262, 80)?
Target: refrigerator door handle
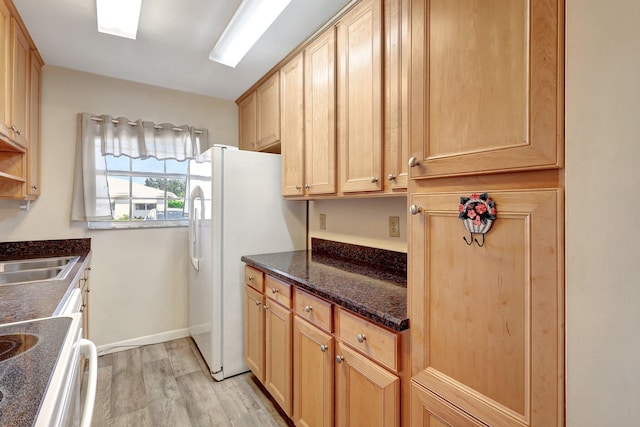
(196, 213)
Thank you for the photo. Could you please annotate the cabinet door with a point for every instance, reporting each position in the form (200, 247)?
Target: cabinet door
(312, 375)
(5, 75)
(487, 323)
(20, 56)
(269, 112)
(366, 394)
(292, 126)
(319, 114)
(396, 63)
(248, 117)
(429, 410)
(33, 155)
(278, 366)
(360, 120)
(254, 332)
(487, 86)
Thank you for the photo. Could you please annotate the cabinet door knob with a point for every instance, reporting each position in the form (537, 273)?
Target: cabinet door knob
(308, 308)
(274, 290)
(374, 179)
(391, 177)
(339, 359)
(34, 187)
(307, 187)
(298, 188)
(19, 131)
(13, 128)
(266, 307)
(413, 162)
(414, 209)
(251, 278)
(257, 302)
(361, 338)
(323, 348)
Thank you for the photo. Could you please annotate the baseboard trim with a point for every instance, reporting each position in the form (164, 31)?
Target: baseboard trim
(140, 341)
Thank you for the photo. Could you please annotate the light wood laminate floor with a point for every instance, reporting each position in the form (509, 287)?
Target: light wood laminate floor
(168, 384)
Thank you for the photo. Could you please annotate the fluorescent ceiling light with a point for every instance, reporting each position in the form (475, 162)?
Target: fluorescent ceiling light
(248, 24)
(119, 17)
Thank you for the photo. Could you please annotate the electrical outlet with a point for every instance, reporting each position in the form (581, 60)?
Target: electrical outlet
(323, 222)
(394, 226)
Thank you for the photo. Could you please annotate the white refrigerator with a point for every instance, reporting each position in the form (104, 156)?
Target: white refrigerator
(235, 209)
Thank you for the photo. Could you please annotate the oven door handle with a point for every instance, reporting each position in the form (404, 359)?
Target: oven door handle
(88, 348)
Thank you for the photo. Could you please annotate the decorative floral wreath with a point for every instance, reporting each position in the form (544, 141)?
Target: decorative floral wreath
(477, 212)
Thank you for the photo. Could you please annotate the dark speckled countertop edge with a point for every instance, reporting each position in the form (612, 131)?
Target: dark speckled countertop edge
(361, 308)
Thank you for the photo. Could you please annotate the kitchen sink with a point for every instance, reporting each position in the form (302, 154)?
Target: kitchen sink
(35, 270)
(32, 264)
(15, 344)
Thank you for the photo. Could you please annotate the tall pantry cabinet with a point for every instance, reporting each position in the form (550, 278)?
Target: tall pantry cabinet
(486, 116)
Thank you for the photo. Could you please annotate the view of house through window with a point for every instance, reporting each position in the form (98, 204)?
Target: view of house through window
(147, 189)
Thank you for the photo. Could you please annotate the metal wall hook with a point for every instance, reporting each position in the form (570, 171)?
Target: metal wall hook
(471, 240)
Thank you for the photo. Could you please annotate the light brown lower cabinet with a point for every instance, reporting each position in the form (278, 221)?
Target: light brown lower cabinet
(366, 394)
(321, 377)
(254, 331)
(278, 354)
(312, 375)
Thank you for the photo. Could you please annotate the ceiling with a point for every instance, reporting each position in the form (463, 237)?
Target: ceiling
(173, 42)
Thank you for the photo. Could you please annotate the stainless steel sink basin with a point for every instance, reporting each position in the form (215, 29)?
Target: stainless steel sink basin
(31, 264)
(15, 344)
(35, 270)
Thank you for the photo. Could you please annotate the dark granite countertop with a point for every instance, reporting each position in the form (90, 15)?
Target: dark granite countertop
(38, 299)
(24, 378)
(378, 294)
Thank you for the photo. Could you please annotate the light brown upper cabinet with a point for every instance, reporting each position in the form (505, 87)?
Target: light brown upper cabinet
(396, 67)
(20, 67)
(5, 75)
(320, 114)
(33, 159)
(259, 117)
(486, 86)
(268, 98)
(292, 126)
(360, 108)
(19, 111)
(248, 117)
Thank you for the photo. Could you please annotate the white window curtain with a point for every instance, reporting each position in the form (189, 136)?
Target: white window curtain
(98, 136)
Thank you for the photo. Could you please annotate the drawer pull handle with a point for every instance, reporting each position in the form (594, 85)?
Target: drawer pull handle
(339, 359)
(323, 348)
(308, 308)
(361, 338)
(274, 290)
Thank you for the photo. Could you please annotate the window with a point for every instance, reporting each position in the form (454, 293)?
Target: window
(148, 191)
(133, 174)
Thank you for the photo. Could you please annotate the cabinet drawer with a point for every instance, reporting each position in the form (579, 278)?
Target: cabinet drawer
(278, 291)
(254, 278)
(314, 309)
(376, 342)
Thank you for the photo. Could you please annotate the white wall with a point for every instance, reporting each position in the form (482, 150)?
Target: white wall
(360, 221)
(138, 277)
(603, 202)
